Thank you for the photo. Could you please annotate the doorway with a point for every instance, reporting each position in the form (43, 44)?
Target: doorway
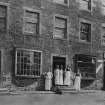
(56, 60)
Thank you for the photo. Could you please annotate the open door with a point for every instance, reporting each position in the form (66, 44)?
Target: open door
(58, 61)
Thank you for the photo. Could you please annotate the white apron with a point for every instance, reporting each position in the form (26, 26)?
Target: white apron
(67, 79)
(56, 74)
(61, 77)
(48, 81)
(77, 83)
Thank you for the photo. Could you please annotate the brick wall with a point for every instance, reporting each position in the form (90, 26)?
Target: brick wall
(45, 42)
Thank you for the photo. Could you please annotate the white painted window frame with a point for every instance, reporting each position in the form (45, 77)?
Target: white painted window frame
(63, 17)
(30, 76)
(31, 10)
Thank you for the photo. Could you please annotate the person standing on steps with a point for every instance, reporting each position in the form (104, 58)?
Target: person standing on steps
(68, 76)
(77, 83)
(61, 75)
(56, 75)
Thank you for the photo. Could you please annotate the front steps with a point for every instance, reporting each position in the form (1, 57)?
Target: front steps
(66, 89)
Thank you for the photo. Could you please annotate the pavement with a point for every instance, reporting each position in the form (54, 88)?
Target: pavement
(49, 98)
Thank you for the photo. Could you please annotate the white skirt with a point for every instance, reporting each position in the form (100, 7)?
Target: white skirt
(77, 83)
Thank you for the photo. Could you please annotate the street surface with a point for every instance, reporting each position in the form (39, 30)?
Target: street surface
(97, 98)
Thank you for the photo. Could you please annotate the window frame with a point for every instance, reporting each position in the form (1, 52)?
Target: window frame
(30, 76)
(34, 11)
(64, 4)
(67, 21)
(89, 10)
(87, 22)
(102, 26)
(7, 5)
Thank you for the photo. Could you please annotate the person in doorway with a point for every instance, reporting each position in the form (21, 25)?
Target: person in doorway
(77, 83)
(68, 76)
(56, 75)
(61, 75)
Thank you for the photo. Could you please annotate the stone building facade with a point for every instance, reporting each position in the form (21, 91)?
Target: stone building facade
(37, 35)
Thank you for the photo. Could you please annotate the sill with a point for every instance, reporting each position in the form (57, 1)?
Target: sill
(27, 76)
(56, 38)
(84, 42)
(90, 11)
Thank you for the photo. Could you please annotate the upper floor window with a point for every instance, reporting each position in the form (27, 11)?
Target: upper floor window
(60, 27)
(85, 4)
(85, 32)
(103, 7)
(28, 63)
(61, 1)
(31, 22)
(3, 18)
(103, 36)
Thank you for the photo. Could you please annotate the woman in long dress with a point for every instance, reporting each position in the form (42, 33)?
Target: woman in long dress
(77, 83)
(68, 76)
(61, 75)
(56, 75)
(48, 81)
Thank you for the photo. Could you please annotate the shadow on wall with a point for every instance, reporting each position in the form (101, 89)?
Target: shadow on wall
(36, 83)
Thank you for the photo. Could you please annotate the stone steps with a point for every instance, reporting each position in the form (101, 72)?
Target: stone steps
(67, 88)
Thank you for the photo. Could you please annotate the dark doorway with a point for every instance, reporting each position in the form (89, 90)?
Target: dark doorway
(58, 61)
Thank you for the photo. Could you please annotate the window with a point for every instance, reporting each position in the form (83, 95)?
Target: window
(86, 64)
(28, 63)
(61, 1)
(3, 18)
(103, 7)
(85, 4)
(103, 36)
(85, 32)
(31, 22)
(60, 27)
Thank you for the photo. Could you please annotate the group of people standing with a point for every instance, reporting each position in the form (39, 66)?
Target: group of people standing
(63, 77)
(67, 77)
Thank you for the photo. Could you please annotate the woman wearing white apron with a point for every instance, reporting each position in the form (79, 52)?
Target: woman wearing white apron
(61, 75)
(77, 83)
(68, 76)
(48, 81)
(56, 75)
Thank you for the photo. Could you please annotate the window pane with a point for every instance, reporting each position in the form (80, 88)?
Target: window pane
(3, 11)
(59, 22)
(31, 22)
(85, 32)
(60, 30)
(28, 63)
(85, 4)
(59, 33)
(30, 27)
